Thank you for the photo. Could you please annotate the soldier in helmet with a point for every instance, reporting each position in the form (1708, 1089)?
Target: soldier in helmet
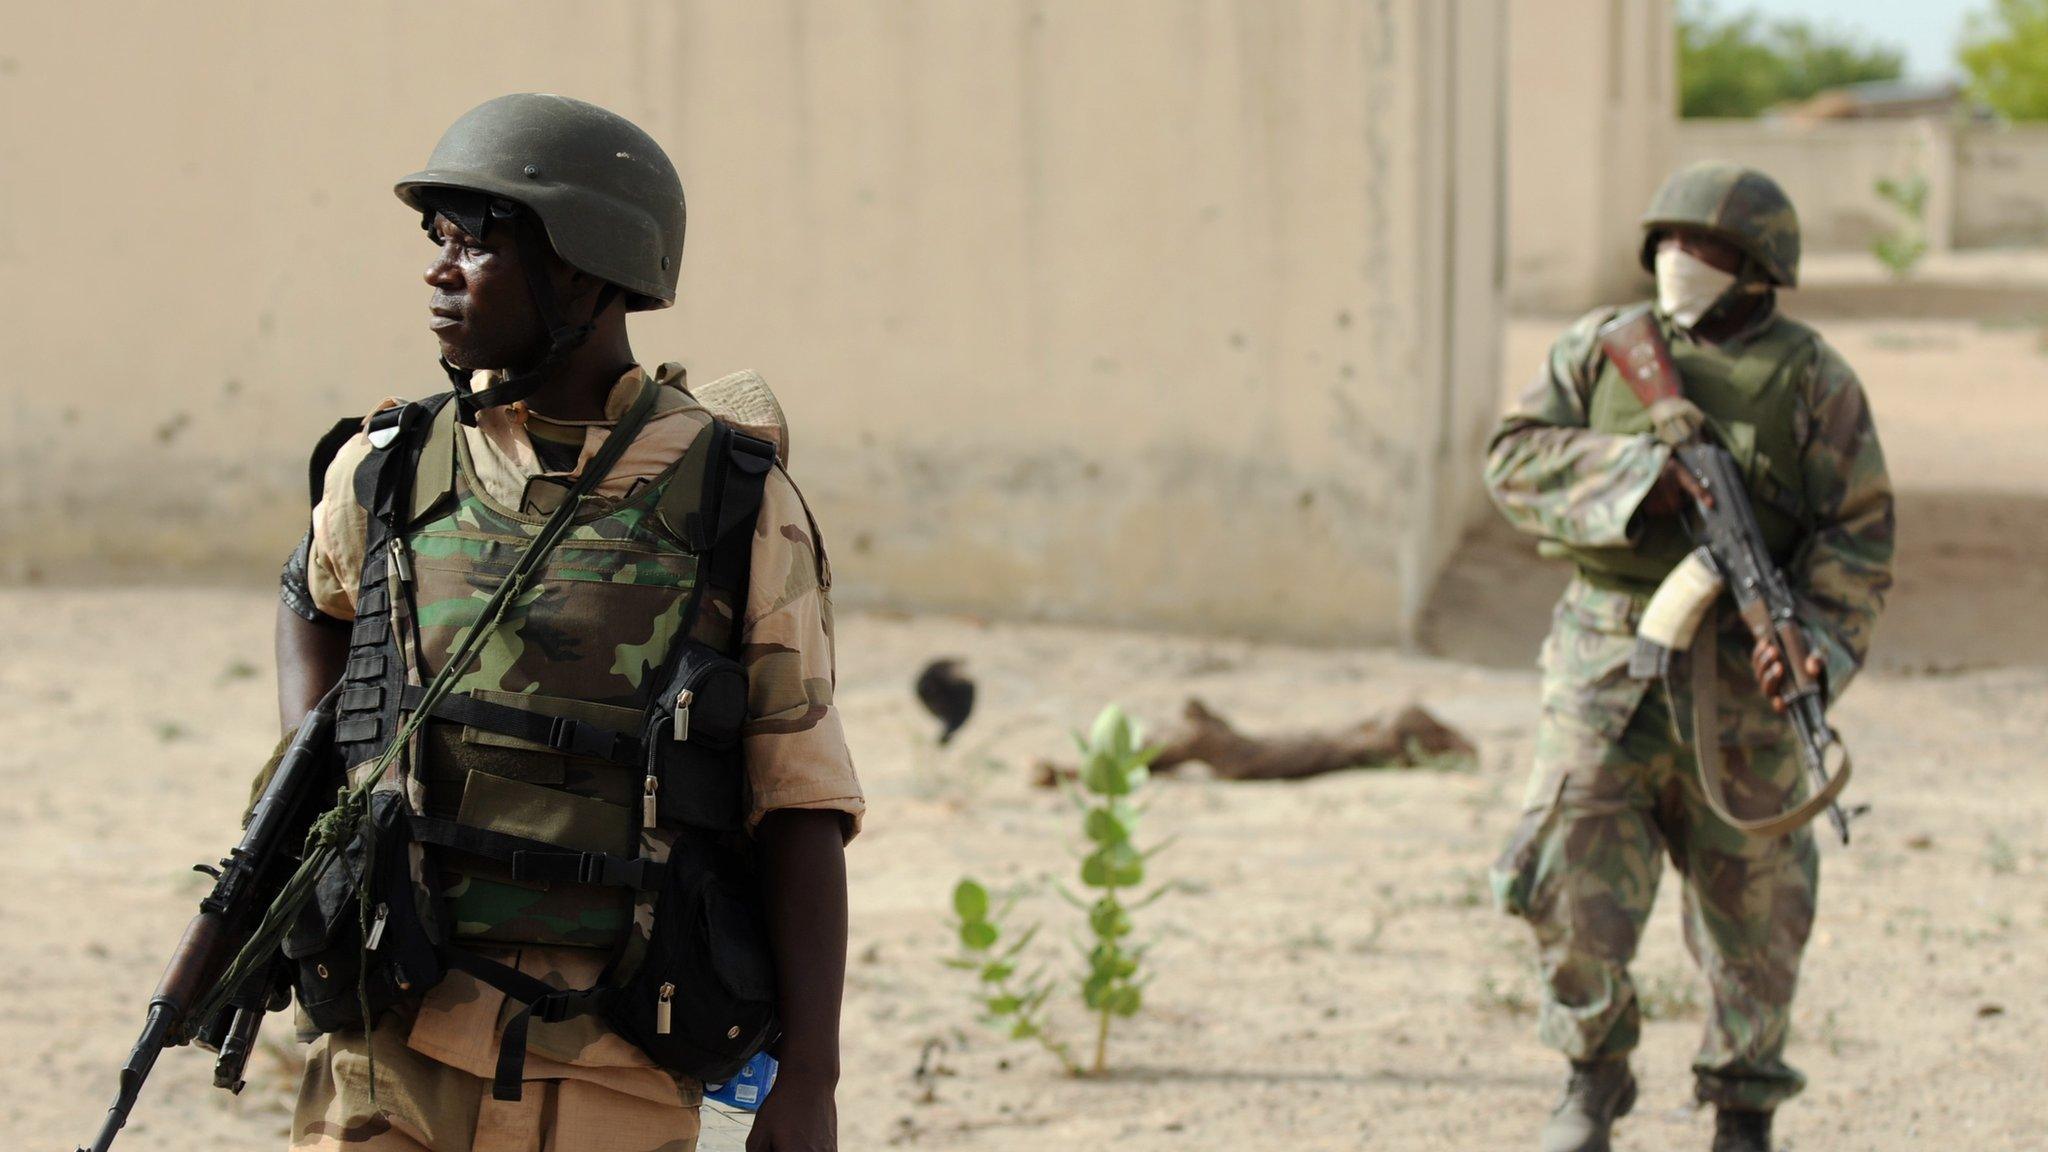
(542, 807)
(1577, 463)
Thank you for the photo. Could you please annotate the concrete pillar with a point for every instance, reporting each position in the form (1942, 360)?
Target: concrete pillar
(1592, 109)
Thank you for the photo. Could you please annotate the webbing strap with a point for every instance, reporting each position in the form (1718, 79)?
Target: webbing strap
(743, 462)
(561, 733)
(549, 1003)
(538, 860)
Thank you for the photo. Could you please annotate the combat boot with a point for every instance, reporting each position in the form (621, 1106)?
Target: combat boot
(1600, 1091)
(1740, 1130)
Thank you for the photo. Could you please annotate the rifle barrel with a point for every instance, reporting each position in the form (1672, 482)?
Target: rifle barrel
(163, 1020)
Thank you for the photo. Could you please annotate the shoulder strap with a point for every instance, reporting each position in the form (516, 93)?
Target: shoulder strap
(433, 478)
(399, 439)
(736, 477)
(382, 481)
(711, 505)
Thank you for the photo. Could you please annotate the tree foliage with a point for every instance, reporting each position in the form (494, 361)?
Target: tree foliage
(2005, 51)
(1740, 65)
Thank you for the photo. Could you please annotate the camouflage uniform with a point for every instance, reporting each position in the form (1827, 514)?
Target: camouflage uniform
(586, 1087)
(1614, 786)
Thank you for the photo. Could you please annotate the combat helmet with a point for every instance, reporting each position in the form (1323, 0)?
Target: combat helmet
(590, 185)
(1734, 203)
(605, 192)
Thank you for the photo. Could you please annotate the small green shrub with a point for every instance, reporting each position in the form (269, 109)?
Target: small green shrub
(1010, 1001)
(1116, 765)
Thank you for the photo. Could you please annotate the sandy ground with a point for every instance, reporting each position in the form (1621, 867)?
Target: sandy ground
(1331, 976)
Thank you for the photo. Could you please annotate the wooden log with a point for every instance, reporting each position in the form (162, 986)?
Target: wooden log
(1411, 737)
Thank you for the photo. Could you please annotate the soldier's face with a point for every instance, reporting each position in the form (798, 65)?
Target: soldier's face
(1711, 250)
(482, 310)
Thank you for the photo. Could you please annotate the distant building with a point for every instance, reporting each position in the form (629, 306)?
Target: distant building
(1882, 100)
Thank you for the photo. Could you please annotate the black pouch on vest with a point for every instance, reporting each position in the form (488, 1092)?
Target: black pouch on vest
(326, 943)
(702, 1001)
(694, 765)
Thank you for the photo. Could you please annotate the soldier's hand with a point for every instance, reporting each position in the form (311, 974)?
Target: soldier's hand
(1768, 662)
(799, 1115)
(1675, 490)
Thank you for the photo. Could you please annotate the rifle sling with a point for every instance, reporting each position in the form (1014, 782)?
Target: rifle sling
(1707, 752)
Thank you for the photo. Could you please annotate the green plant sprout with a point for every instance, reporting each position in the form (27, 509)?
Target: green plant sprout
(1116, 764)
(1900, 251)
(1012, 1002)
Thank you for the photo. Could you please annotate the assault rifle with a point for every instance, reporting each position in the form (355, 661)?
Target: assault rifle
(1731, 556)
(244, 884)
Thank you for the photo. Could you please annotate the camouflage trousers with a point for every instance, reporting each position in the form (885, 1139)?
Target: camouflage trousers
(1582, 869)
(423, 1104)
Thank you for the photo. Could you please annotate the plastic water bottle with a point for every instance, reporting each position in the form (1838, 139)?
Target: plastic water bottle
(728, 1113)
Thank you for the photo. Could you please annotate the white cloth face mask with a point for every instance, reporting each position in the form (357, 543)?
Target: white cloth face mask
(1688, 286)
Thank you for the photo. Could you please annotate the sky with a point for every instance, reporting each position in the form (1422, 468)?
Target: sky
(1927, 29)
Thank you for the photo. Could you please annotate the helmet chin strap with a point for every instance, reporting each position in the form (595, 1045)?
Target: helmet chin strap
(563, 337)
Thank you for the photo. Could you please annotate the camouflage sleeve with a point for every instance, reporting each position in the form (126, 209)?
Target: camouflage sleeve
(1551, 475)
(795, 748)
(1844, 568)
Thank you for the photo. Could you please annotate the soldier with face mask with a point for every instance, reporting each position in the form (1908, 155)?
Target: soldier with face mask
(644, 750)
(1580, 463)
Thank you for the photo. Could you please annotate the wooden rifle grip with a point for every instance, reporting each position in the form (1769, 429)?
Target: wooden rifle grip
(1636, 346)
(192, 962)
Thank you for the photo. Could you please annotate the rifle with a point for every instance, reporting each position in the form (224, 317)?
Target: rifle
(1731, 556)
(244, 884)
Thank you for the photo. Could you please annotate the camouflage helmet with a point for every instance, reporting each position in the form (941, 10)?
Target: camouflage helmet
(605, 192)
(1737, 204)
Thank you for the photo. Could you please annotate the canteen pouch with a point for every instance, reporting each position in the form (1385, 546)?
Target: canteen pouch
(326, 943)
(696, 775)
(702, 1000)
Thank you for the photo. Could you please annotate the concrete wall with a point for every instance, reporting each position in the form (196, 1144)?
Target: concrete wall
(1165, 313)
(1592, 105)
(1988, 184)
(2001, 196)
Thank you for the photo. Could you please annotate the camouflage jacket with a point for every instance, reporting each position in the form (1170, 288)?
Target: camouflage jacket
(795, 747)
(1555, 478)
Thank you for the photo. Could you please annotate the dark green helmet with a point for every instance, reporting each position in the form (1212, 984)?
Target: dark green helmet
(604, 190)
(1737, 204)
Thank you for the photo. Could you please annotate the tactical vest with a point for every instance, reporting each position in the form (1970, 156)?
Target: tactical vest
(584, 774)
(1751, 401)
